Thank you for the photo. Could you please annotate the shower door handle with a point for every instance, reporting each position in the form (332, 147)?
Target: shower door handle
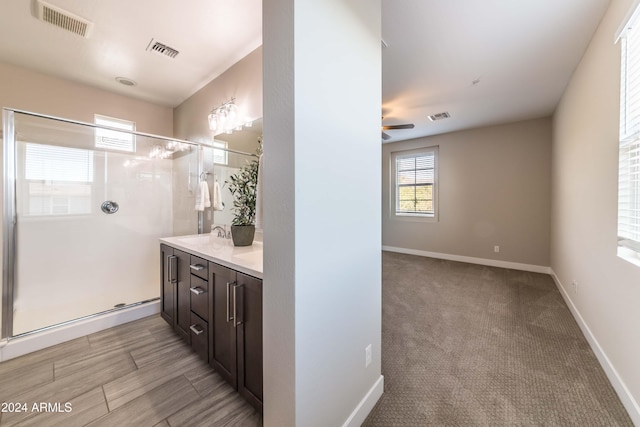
(173, 267)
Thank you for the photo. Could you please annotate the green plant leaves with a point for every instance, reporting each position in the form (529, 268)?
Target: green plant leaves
(243, 188)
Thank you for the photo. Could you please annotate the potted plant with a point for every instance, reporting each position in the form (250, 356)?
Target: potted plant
(243, 185)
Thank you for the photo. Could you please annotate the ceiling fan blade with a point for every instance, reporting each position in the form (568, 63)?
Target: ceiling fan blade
(393, 127)
(385, 136)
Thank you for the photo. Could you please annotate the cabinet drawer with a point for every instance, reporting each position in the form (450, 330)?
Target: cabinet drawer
(199, 336)
(198, 266)
(200, 297)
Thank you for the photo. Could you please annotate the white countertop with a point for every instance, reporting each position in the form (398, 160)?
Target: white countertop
(245, 259)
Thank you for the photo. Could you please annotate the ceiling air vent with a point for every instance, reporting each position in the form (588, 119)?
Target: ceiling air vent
(439, 116)
(63, 19)
(162, 49)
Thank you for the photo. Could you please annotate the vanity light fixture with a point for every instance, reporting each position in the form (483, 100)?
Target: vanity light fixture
(226, 118)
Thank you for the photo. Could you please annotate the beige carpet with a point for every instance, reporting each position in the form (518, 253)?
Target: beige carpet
(469, 345)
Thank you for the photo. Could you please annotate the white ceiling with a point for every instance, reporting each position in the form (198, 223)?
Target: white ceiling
(211, 35)
(522, 51)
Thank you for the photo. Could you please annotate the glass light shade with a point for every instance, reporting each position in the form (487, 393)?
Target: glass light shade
(233, 111)
(233, 117)
(222, 119)
(213, 121)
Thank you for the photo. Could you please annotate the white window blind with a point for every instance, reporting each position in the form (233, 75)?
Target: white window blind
(629, 160)
(112, 139)
(415, 183)
(52, 163)
(58, 180)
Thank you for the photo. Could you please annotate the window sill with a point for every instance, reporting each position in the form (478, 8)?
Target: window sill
(414, 218)
(629, 255)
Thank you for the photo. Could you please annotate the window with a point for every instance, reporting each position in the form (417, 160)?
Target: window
(112, 139)
(414, 183)
(629, 155)
(58, 180)
(220, 156)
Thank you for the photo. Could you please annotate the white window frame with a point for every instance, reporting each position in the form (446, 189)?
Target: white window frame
(114, 140)
(220, 153)
(393, 197)
(629, 143)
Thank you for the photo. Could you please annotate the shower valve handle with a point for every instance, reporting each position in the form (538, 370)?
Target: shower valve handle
(109, 207)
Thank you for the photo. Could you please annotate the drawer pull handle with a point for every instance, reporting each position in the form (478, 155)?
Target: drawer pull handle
(196, 329)
(196, 267)
(197, 290)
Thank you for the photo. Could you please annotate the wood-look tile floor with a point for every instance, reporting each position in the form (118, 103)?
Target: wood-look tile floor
(136, 374)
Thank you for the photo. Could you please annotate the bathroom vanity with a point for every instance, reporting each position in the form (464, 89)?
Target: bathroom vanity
(212, 297)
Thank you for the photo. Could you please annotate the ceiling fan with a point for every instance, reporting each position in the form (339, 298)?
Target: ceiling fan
(395, 127)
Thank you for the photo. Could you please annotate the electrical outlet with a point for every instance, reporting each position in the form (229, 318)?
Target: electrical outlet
(367, 356)
(574, 285)
(496, 249)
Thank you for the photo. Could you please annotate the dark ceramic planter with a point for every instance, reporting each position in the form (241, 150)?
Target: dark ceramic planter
(242, 235)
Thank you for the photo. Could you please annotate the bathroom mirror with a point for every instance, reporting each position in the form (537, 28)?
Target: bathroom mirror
(224, 164)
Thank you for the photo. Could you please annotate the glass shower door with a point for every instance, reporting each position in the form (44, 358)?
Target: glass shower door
(88, 219)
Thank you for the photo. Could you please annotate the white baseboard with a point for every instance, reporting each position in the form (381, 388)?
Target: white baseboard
(472, 260)
(19, 346)
(630, 404)
(365, 406)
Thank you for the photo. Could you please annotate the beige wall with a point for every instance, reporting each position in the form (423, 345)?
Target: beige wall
(584, 205)
(494, 189)
(242, 81)
(24, 89)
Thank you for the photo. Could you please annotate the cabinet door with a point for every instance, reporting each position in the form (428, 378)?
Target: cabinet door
(222, 338)
(183, 296)
(168, 265)
(249, 333)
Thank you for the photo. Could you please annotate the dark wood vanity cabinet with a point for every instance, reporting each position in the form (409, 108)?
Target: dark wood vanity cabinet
(218, 312)
(236, 341)
(175, 290)
(184, 298)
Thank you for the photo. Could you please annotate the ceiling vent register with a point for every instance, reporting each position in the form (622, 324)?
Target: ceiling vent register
(162, 49)
(439, 116)
(63, 19)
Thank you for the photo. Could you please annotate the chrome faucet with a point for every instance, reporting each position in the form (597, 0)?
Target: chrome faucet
(222, 232)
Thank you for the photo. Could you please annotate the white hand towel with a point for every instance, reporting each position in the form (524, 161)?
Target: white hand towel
(217, 197)
(203, 199)
(259, 195)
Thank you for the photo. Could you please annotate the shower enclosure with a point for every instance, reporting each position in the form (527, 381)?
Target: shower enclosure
(84, 206)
